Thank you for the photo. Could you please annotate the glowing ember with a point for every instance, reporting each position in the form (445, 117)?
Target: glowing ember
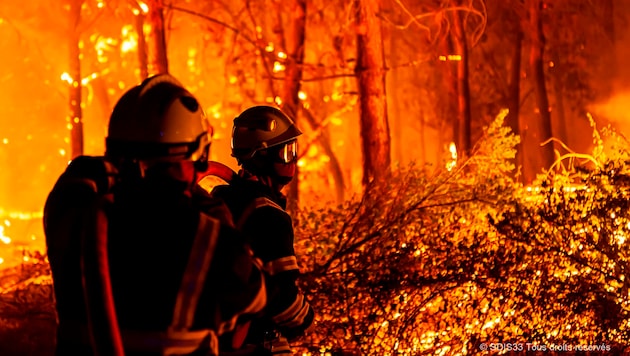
(3, 238)
(143, 6)
(453, 162)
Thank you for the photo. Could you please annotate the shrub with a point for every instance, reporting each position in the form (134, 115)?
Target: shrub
(440, 261)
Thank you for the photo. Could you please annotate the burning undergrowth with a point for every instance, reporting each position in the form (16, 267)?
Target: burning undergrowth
(449, 262)
(27, 315)
(442, 261)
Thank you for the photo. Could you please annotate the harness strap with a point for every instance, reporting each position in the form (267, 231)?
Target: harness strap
(195, 273)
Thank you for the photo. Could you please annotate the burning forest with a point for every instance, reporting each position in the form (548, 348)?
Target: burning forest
(463, 174)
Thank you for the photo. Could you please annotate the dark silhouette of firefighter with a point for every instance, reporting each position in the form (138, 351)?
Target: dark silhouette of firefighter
(264, 142)
(142, 263)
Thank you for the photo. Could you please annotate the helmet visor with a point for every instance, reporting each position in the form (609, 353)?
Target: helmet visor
(287, 153)
(201, 148)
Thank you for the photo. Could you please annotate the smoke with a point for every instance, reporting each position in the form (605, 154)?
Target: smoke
(615, 108)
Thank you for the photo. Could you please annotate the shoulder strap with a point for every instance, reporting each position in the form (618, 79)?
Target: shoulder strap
(255, 204)
(95, 274)
(195, 273)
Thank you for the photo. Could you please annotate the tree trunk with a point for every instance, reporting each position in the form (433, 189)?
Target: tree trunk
(462, 129)
(75, 117)
(370, 71)
(157, 61)
(514, 104)
(610, 61)
(292, 79)
(142, 45)
(541, 128)
(559, 124)
(608, 19)
(397, 97)
(448, 98)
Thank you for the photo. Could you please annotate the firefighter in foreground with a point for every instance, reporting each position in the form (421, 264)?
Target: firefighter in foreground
(143, 264)
(264, 142)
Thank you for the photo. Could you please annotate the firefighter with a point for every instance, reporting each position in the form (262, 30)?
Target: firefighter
(264, 143)
(176, 272)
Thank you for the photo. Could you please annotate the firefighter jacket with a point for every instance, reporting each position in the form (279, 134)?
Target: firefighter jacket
(180, 273)
(260, 214)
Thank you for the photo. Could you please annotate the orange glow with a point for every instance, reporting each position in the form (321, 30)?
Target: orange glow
(278, 67)
(453, 161)
(450, 57)
(143, 6)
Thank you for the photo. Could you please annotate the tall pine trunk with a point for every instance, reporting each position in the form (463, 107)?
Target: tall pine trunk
(142, 43)
(75, 116)
(541, 128)
(514, 95)
(157, 61)
(292, 80)
(397, 97)
(462, 128)
(559, 123)
(448, 106)
(370, 72)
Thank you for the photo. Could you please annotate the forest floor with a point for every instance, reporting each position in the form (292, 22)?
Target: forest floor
(27, 313)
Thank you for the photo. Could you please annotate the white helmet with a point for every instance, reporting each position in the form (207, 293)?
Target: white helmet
(159, 119)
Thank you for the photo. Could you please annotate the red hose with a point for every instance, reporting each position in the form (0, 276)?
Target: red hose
(220, 170)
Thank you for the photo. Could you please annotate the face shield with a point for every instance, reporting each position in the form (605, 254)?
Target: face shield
(287, 152)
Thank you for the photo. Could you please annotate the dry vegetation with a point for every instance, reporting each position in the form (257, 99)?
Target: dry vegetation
(438, 263)
(441, 263)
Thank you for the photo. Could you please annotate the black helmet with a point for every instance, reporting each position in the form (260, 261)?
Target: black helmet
(259, 128)
(158, 120)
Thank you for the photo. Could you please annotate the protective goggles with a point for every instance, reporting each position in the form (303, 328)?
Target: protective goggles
(287, 153)
(200, 149)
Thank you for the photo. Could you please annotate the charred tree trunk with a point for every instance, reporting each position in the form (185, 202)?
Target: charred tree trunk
(462, 128)
(142, 44)
(448, 97)
(610, 61)
(370, 72)
(157, 61)
(541, 129)
(514, 104)
(559, 124)
(75, 116)
(398, 96)
(608, 20)
(292, 79)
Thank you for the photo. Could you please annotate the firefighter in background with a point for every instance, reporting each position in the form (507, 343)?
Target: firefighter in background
(264, 142)
(180, 273)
